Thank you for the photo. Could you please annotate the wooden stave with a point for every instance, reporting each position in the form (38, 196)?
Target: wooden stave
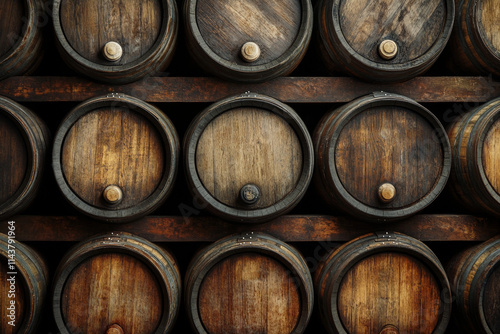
(340, 260)
(473, 265)
(154, 61)
(37, 139)
(159, 260)
(339, 57)
(35, 276)
(256, 242)
(211, 204)
(336, 195)
(217, 66)
(172, 150)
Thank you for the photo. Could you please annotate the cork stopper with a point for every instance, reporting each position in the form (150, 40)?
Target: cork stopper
(112, 194)
(249, 194)
(250, 52)
(386, 192)
(389, 329)
(388, 49)
(112, 51)
(115, 329)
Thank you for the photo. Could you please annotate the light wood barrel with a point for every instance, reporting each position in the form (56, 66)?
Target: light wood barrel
(475, 280)
(248, 158)
(21, 37)
(475, 178)
(115, 157)
(383, 41)
(116, 280)
(23, 149)
(250, 41)
(23, 287)
(248, 283)
(474, 47)
(116, 41)
(383, 283)
(381, 157)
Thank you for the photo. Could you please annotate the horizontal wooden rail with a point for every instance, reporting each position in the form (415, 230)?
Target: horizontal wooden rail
(286, 89)
(287, 228)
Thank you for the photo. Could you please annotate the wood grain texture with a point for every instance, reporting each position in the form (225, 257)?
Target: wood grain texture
(249, 293)
(13, 158)
(89, 25)
(112, 289)
(20, 300)
(488, 17)
(389, 289)
(491, 155)
(286, 89)
(227, 25)
(113, 146)
(491, 300)
(249, 145)
(10, 24)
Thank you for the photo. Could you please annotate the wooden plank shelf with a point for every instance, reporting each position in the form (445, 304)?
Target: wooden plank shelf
(288, 228)
(286, 89)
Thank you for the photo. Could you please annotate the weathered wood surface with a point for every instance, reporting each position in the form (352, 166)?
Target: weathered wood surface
(286, 89)
(287, 228)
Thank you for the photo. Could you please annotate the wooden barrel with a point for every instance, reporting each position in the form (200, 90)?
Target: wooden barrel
(116, 283)
(475, 180)
(21, 37)
(116, 41)
(248, 158)
(383, 283)
(115, 157)
(381, 157)
(248, 41)
(475, 43)
(23, 149)
(475, 280)
(383, 41)
(248, 283)
(23, 285)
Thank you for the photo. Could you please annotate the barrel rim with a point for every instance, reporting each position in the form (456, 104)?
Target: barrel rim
(250, 73)
(257, 242)
(358, 106)
(167, 273)
(170, 148)
(269, 104)
(163, 48)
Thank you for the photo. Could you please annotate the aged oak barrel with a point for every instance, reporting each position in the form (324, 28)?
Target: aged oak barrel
(475, 282)
(116, 283)
(23, 285)
(116, 41)
(248, 283)
(21, 37)
(23, 149)
(383, 283)
(474, 47)
(248, 158)
(115, 157)
(248, 41)
(381, 157)
(475, 178)
(383, 41)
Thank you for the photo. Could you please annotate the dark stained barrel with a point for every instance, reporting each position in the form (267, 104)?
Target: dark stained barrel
(23, 149)
(475, 280)
(381, 157)
(383, 41)
(23, 285)
(248, 41)
(248, 158)
(116, 283)
(115, 157)
(21, 37)
(475, 43)
(116, 41)
(383, 283)
(475, 178)
(248, 283)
